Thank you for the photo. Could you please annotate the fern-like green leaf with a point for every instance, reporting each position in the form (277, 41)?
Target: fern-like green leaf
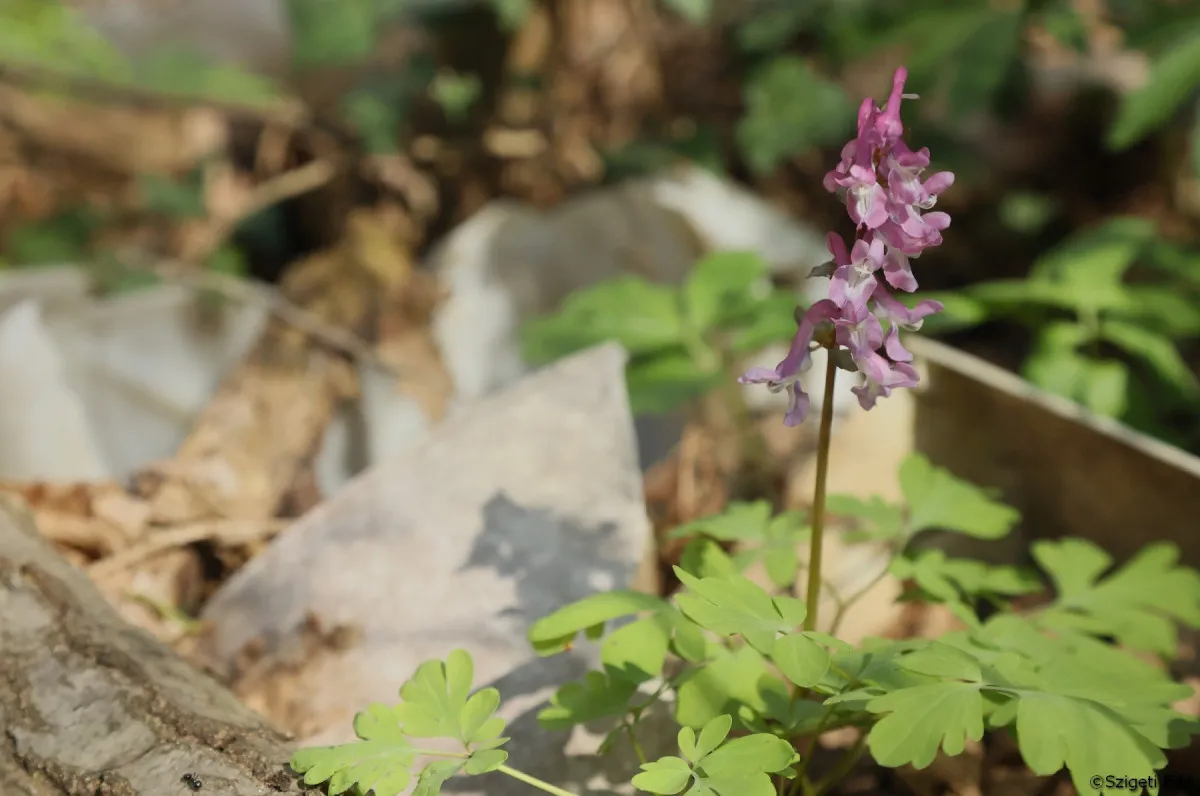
(936, 499)
(554, 633)
(735, 605)
(1139, 604)
(599, 696)
(380, 761)
(435, 775)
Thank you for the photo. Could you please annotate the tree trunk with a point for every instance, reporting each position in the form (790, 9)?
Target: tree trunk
(90, 705)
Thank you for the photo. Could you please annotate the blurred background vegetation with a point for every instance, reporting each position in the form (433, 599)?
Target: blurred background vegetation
(1073, 127)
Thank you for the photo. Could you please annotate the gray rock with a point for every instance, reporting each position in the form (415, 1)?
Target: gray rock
(527, 501)
(511, 262)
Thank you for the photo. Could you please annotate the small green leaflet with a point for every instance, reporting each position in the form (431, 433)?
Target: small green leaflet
(554, 633)
(1050, 730)
(1075, 701)
(637, 651)
(665, 775)
(732, 681)
(381, 761)
(435, 775)
(923, 719)
(1174, 76)
(714, 766)
(1089, 267)
(936, 499)
(735, 605)
(739, 522)
(704, 558)
(877, 520)
(642, 316)
(1058, 366)
(956, 582)
(773, 539)
(801, 658)
(437, 703)
(599, 696)
(771, 320)
(789, 109)
(1156, 351)
(720, 287)
(1138, 604)
(666, 380)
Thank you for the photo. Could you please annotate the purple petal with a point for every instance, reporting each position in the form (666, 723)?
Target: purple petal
(867, 205)
(894, 348)
(904, 376)
(759, 376)
(799, 358)
(939, 182)
(837, 247)
(888, 123)
(898, 271)
(890, 309)
(798, 409)
(938, 221)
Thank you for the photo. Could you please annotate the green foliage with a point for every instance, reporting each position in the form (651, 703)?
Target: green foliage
(511, 13)
(681, 340)
(771, 539)
(789, 108)
(919, 697)
(747, 682)
(436, 703)
(695, 11)
(332, 33)
(456, 94)
(1139, 605)
(933, 500)
(1096, 329)
(175, 199)
(1174, 77)
(51, 37)
(62, 239)
(713, 765)
(960, 583)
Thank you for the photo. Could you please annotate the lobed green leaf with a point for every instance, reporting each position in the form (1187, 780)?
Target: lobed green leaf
(936, 499)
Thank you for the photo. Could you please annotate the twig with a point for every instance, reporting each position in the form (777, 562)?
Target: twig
(236, 289)
(228, 531)
(289, 184)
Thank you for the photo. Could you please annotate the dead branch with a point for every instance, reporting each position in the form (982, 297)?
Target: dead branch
(91, 705)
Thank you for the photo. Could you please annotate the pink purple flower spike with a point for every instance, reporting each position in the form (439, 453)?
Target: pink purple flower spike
(883, 184)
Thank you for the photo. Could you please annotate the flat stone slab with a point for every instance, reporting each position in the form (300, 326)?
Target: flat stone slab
(515, 506)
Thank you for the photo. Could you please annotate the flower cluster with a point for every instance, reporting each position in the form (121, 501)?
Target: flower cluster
(881, 181)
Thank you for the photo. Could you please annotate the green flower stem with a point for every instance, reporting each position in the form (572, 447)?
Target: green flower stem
(637, 745)
(818, 506)
(534, 781)
(844, 605)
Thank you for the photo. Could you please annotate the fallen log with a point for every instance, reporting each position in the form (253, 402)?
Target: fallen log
(91, 705)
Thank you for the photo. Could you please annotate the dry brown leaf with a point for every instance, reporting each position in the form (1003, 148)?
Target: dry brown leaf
(97, 519)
